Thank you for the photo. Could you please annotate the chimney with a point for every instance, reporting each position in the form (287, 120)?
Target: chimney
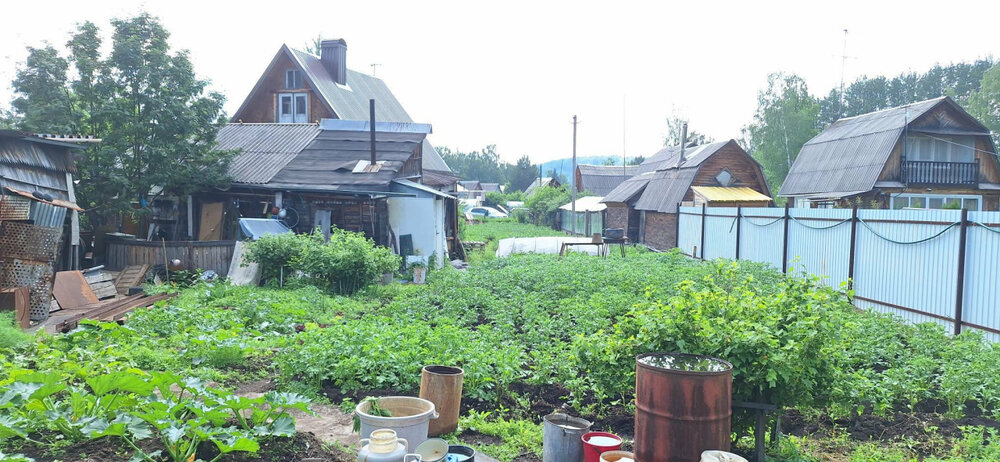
(371, 124)
(333, 55)
(684, 135)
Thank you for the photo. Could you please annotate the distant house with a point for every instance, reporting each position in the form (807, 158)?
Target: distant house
(716, 174)
(491, 187)
(602, 179)
(471, 189)
(547, 182)
(36, 197)
(926, 155)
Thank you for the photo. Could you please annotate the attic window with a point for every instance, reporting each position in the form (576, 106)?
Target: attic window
(293, 79)
(724, 178)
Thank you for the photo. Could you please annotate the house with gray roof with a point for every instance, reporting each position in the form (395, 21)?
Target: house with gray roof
(601, 179)
(926, 155)
(713, 174)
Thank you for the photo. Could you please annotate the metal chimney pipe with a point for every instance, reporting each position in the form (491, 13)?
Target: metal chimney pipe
(371, 124)
(684, 135)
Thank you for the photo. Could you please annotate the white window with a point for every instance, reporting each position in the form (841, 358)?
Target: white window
(293, 79)
(293, 108)
(937, 201)
(940, 148)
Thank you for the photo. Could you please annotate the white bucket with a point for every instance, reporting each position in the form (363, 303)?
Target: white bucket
(410, 417)
(720, 456)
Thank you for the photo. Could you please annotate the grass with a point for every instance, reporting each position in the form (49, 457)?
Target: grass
(491, 230)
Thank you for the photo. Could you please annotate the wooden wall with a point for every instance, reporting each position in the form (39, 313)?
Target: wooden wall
(205, 255)
(263, 101)
(731, 157)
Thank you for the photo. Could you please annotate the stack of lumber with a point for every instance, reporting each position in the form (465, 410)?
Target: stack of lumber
(108, 311)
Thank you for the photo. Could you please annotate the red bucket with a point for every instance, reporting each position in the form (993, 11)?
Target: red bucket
(595, 443)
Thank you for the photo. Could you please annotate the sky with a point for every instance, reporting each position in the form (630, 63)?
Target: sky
(513, 73)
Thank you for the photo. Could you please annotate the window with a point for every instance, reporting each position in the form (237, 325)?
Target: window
(293, 108)
(724, 178)
(940, 148)
(293, 79)
(936, 201)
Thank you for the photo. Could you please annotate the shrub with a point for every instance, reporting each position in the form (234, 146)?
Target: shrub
(10, 335)
(275, 252)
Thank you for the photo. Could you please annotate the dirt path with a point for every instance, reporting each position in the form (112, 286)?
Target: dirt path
(330, 425)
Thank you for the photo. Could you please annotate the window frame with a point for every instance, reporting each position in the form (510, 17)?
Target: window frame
(924, 148)
(927, 198)
(293, 79)
(295, 115)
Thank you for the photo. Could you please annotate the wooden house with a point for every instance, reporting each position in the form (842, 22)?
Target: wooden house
(538, 183)
(926, 155)
(716, 174)
(602, 179)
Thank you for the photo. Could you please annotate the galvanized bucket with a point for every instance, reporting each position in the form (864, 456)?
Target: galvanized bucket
(561, 438)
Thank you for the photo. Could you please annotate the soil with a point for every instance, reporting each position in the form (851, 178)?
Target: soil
(302, 446)
(474, 437)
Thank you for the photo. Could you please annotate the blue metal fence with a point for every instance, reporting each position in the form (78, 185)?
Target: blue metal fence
(904, 262)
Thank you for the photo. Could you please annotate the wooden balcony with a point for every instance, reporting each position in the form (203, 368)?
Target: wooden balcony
(940, 173)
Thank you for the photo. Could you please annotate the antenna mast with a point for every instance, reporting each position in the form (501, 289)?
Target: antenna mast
(843, 65)
(375, 65)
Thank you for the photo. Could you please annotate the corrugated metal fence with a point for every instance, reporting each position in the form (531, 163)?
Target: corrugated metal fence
(923, 265)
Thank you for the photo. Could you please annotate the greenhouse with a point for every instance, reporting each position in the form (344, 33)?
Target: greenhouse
(588, 218)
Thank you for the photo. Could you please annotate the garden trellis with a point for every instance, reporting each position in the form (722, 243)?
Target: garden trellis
(923, 265)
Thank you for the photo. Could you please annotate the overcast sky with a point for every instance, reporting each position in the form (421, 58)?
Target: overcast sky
(513, 73)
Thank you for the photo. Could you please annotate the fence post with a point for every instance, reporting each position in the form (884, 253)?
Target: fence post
(739, 213)
(963, 230)
(703, 231)
(677, 228)
(784, 247)
(854, 239)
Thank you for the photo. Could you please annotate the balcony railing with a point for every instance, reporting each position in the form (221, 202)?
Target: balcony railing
(940, 173)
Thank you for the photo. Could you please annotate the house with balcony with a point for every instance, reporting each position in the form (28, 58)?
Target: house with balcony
(926, 155)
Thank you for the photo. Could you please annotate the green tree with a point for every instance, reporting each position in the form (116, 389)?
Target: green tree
(637, 160)
(673, 137)
(44, 102)
(785, 119)
(520, 175)
(984, 103)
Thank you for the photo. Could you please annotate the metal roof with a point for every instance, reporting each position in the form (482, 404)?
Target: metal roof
(421, 187)
(851, 153)
(693, 156)
(602, 179)
(490, 187)
(630, 188)
(586, 204)
(264, 148)
(729, 194)
(350, 101)
(540, 182)
(438, 179)
(665, 190)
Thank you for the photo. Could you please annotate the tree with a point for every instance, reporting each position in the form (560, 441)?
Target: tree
(637, 160)
(984, 103)
(673, 137)
(785, 119)
(521, 174)
(157, 122)
(315, 46)
(45, 103)
(609, 161)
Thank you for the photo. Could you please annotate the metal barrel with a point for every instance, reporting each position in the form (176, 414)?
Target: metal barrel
(561, 438)
(683, 406)
(442, 385)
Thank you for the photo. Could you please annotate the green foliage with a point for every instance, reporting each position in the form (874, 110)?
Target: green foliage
(785, 119)
(486, 166)
(518, 436)
(344, 264)
(10, 334)
(156, 119)
(544, 204)
(984, 103)
(673, 138)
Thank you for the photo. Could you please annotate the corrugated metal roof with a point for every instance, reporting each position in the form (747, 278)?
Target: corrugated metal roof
(602, 179)
(665, 190)
(541, 182)
(729, 194)
(350, 101)
(490, 187)
(438, 179)
(265, 148)
(629, 189)
(586, 204)
(851, 153)
(19, 149)
(693, 156)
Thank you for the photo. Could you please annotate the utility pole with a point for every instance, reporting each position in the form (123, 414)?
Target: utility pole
(843, 65)
(624, 159)
(572, 189)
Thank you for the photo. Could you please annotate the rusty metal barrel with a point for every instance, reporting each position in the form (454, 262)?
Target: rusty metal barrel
(442, 385)
(683, 406)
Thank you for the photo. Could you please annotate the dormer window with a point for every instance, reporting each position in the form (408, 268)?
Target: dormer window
(293, 79)
(724, 178)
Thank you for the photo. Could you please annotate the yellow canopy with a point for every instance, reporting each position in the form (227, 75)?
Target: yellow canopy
(729, 194)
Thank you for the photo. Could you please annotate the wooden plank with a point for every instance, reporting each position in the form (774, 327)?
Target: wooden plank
(122, 312)
(93, 310)
(131, 276)
(71, 290)
(104, 290)
(211, 222)
(98, 277)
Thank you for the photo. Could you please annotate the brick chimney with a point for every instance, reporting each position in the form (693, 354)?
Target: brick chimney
(333, 55)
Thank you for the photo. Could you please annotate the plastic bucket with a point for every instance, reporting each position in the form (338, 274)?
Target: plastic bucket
(720, 456)
(459, 453)
(597, 443)
(561, 438)
(442, 385)
(616, 456)
(410, 417)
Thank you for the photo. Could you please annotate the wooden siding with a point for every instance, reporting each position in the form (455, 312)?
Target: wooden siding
(261, 107)
(731, 157)
(205, 255)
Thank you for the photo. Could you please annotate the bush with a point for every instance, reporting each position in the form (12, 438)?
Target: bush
(344, 264)
(10, 335)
